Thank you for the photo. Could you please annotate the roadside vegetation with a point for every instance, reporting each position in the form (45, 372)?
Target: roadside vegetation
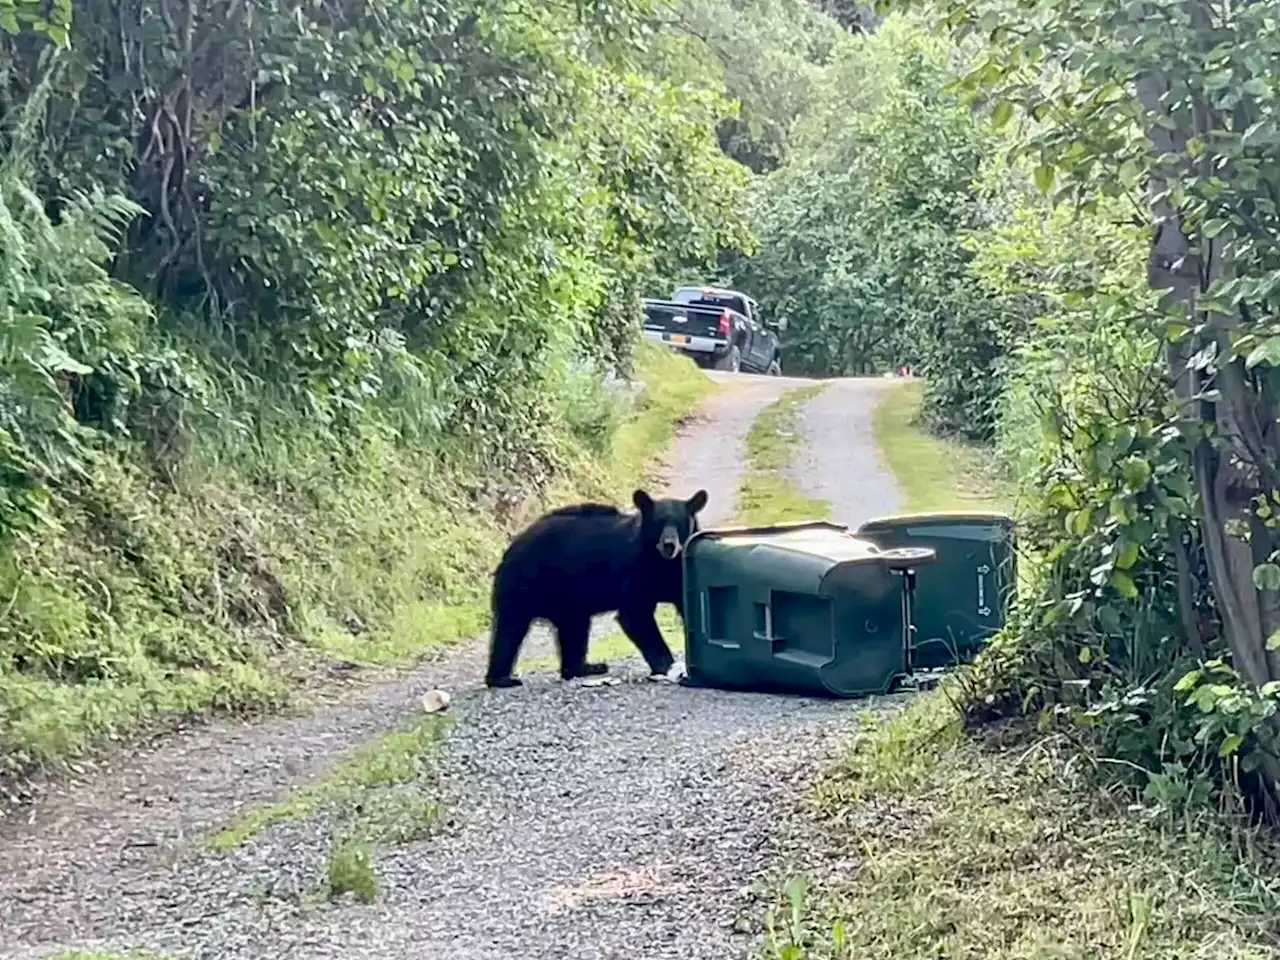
(936, 474)
(974, 189)
(929, 841)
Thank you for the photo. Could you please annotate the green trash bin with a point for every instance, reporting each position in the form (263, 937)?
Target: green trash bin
(961, 600)
(802, 608)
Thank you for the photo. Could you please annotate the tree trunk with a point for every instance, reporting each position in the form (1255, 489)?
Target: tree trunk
(1236, 459)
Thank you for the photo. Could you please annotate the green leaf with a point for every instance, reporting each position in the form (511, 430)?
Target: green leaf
(1124, 585)
(1214, 305)
(1127, 555)
(1082, 521)
(1230, 745)
(1188, 681)
(796, 888)
(1109, 619)
(1001, 114)
(1213, 228)
(1122, 509)
(839, 936)
(1266, 576)
(1136, 472)
(1273, 641)
(1085, 655)
(1268, 351)
(1205, 698)
(1044, 176)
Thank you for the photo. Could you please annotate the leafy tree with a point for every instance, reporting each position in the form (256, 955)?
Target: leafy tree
(770, 57)
(354, 196)
(863, 235)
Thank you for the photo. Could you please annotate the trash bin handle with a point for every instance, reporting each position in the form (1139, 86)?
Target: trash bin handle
(768, 625)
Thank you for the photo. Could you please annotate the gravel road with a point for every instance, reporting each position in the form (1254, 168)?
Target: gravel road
(842, 463)
(631, 821)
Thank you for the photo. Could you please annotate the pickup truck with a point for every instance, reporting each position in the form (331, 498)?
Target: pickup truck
(718, 328)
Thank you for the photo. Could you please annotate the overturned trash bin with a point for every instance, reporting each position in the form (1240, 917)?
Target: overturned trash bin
(961, 599)
(802, 608)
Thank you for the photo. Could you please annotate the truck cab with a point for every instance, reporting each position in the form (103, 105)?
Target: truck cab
(718, 328)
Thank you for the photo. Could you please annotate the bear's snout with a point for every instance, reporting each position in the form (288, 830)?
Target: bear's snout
(669, 544)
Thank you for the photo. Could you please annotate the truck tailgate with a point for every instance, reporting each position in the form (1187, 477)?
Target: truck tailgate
(676, 320)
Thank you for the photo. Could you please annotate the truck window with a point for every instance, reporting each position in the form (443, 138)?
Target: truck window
(720, 300)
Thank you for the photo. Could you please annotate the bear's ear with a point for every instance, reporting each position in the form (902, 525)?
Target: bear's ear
(643, 502)
(696, 502)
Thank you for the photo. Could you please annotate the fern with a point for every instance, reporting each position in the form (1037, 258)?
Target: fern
(62, 318)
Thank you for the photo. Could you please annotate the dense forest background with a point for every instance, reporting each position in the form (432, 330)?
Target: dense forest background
(301, 303)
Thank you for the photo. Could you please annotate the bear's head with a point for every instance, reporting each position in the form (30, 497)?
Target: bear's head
(668, 524)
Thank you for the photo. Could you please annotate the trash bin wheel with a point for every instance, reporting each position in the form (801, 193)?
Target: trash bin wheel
(903, 558)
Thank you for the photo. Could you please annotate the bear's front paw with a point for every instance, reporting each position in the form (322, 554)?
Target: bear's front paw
(674, 674)
(502, 683)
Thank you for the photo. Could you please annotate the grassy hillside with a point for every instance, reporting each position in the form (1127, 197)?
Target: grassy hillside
(221, 592)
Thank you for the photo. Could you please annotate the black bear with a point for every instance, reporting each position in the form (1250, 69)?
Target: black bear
(587, 559)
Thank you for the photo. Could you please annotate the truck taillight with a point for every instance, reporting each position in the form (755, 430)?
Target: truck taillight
(722, 328)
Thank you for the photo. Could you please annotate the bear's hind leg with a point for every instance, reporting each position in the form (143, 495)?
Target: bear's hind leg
(504, 648)
(572, 636)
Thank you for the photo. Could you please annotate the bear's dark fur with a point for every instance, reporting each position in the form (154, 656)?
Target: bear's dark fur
(588, 559)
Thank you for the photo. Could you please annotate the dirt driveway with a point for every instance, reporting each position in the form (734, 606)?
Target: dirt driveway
(621, 821)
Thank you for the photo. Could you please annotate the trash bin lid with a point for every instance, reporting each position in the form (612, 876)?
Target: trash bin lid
(825, 541)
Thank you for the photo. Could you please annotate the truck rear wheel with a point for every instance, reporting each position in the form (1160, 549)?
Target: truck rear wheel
(775, 367)
(731, 361)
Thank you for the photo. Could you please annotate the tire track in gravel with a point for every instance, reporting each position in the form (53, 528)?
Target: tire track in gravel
(603, 822)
